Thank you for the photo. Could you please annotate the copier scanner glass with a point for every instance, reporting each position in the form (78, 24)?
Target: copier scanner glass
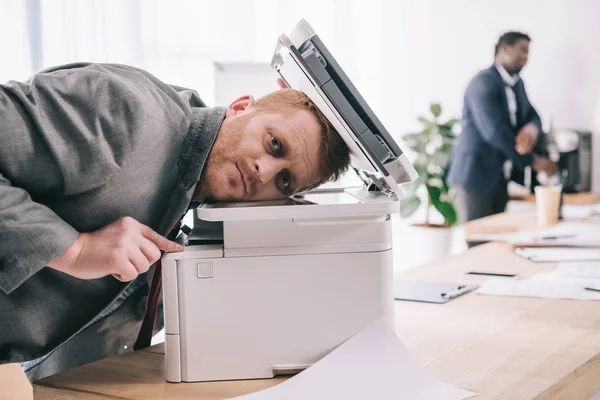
(317, 198)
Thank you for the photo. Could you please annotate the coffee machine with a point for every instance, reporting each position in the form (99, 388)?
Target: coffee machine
(575, 160)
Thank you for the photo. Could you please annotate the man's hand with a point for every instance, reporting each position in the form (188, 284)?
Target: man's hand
(124, 249)
(526, 139)
(541, 164)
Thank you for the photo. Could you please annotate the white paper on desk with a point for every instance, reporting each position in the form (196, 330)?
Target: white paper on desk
(373, 364)
(579, 280)
(590, 269)
(558, 254)
(541, 288)
(565, 233)
(577, 211)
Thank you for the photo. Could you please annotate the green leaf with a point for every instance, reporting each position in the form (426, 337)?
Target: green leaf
(445, 208)
(409, 205)
(446, 132)
(436, 109)
(416, 147)
(416, 141)
(413, 136)
(446, 148)
(435, 181)
(450, 123)
(427, 123)
(438, 160)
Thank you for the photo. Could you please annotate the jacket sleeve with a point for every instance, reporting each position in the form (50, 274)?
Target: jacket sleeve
(63, 132)
(485, 103)
(533, 117)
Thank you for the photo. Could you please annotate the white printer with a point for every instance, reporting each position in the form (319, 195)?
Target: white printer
(268, 288)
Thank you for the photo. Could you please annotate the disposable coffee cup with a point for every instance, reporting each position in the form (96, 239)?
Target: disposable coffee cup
(547, 200)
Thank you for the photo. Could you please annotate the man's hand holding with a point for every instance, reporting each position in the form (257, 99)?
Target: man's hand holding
(123, 249)
(526, 139)
(541, 164)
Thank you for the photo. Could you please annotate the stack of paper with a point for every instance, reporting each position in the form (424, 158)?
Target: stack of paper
(373, 364)
(558, 254)
(543, 288)
(567, 281)
(564, 234)
(579, 211)
(579, 269)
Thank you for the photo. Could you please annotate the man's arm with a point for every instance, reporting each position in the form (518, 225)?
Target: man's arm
(528, 135)
(485, 104)
(63, 132)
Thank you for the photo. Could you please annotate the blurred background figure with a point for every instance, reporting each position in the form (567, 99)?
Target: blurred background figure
(500, 129)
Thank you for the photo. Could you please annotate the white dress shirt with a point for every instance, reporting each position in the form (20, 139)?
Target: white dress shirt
(509, 82)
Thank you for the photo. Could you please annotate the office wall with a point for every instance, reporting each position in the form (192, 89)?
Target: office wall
(434, 47)
(402, 54)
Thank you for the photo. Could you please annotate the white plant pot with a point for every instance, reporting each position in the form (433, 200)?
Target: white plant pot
(416, 245)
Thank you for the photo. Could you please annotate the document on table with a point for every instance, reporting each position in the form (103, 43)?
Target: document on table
(558, 254)
(589, 269)
(373, 364)
(541, 287)
(579, 211)
(566, 234)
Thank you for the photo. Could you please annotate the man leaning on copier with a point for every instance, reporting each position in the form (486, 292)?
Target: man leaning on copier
(98, 163)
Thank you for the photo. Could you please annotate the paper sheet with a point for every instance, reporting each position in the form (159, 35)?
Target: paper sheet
(578, 211)
(563, 234)
(558, 254)
(589, 269)
(373, 364)
(580, 280)
(539, 287)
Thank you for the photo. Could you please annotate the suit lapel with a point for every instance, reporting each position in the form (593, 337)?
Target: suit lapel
(500, 82)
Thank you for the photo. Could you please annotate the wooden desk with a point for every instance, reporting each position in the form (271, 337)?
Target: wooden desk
(500, 347)
(570, 198)
(512, 222)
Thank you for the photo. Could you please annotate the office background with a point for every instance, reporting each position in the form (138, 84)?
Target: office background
(401, 54)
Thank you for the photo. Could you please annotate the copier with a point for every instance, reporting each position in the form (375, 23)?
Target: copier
(269, 288)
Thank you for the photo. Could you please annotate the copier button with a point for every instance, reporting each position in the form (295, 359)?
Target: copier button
(205, 270)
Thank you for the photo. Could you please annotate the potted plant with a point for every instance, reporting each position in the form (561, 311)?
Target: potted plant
(432, 147)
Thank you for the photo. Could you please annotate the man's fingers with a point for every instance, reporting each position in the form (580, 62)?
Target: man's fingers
(160, 241)
(128, 273)
(149, 250)
(139, 261)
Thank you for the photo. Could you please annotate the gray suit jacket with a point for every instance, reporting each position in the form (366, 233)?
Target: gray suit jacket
(82, 145)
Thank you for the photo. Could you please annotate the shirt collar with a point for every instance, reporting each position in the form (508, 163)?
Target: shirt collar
(204, 126)
(510, 80)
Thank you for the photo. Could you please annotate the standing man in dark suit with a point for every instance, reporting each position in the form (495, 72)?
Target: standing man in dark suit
(500, 129)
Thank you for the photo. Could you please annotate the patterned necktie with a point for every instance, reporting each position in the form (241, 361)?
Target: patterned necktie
(147, 328)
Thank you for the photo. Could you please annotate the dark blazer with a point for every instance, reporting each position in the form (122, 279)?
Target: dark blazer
(82, 145)
(487, 139)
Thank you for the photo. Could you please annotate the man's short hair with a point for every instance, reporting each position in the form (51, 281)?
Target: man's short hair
(335, 155)
(510, 38)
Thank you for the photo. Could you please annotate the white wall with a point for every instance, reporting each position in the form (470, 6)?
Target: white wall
(401, 54)
(436, 46)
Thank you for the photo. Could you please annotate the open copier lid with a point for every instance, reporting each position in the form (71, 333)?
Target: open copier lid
(305, 64)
